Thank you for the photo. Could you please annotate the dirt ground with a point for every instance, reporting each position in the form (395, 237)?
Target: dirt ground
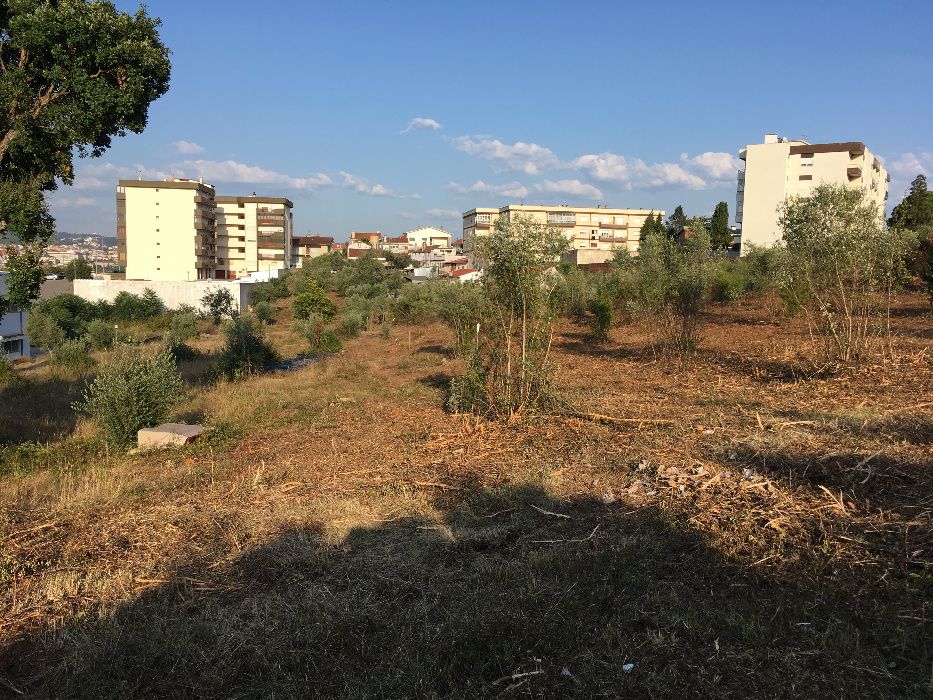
(745, 526)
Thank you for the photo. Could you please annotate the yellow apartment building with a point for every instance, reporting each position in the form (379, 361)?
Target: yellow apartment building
(599, 231)
(781, 168)
(166, 229)
(254, 234)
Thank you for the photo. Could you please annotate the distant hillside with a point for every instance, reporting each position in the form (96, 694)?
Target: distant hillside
(63, 238)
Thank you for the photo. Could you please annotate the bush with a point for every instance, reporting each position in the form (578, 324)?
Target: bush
(468, 391)
(245, 352)
(274, 289)
(602, 318)
(7, 373)
(43, 331)
(183, 327)
(136, 307)
(218, 304)
(72, 355)
(130, 393)
(263, 312)
(841, 267)
(313, 301)
(69, 311)
(320, 338)
(350, 325)
(100, 334)
(180, 351)
(729, 282)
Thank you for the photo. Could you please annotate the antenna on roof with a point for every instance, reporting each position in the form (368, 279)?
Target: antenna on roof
(139, 173)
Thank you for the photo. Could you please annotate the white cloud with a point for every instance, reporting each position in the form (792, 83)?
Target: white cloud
(187, 147)
(715, 165)
(100, 176)
(361, 185)
(909, 165)
(75, 202)
(421, 123)
(570, 187)
(413, 195)
(510, 189)
(445, 213)
(631, 173)
(529, 158)
(232, 171)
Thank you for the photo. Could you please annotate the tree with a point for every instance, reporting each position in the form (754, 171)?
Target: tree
(841, 266)
(719, 234)
(652, 226)
(398, 261)
(218, 304)
(916, 209)
(78, 269)
(676, 222)
(73, 74)
(313, 301)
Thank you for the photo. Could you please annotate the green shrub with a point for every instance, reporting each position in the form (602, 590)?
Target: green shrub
(218, 304)
(7, 372)
(72, 355)
(729, 282)
(69, 311)
(245, 352)
(101, 334)
(43, 331)
(350, 325)
(467, 391)
(130, 393)
(320, 338)
(136, 307)
(602, 318)
(183, 327)
(273, 290)
(313, 301)
(263, 312)
(180, 350)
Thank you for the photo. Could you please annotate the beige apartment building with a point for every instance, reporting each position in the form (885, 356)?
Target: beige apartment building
(254, 234)
(166, 229)
(781, 168)
(595, 233)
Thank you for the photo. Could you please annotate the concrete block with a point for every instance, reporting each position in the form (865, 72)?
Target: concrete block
(168, 435)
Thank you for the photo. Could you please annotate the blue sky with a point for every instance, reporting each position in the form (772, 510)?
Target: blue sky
(389, 115)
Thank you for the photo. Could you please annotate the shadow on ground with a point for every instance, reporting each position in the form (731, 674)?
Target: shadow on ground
(506, 593)
(39, 410)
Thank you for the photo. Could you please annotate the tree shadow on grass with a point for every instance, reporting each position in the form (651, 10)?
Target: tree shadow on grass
(39, 409)
(505, 593)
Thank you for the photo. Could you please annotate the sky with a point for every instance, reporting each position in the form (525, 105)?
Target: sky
(388, 115)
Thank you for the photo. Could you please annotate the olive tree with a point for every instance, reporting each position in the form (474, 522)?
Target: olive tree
(841, 266)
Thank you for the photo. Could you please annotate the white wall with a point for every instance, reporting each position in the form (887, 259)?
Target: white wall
(172, 294)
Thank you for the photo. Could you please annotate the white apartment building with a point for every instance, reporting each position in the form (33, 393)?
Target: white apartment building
(254, 234)
(166, 229)
(780, 168)
(13, 341)
(600, 230)
(428, 236)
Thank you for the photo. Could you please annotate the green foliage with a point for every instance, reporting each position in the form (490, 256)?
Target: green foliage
(180, 350)
(313, 301)
(183, 327)
(577, 290)
(70, 311)
(320, 338)
(602, 318)
(25, 274)
(72, 355)
(8, 375)
(667, 283)
(398, 261)
(720, 236)
(78, 269)
(263, 312)
(676, 222)
(218, 304)
(915, 213)
(273, 290)
(136, 307)
(101, 334)
(350, 325)
(43, 331)
(130, 393)
(653, 226)
(841, 267)
(72, 76)
(520, 286)
(467, 393)
(245, 351)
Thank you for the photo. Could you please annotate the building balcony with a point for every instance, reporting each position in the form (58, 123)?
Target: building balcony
(854, 172)
(482, 224)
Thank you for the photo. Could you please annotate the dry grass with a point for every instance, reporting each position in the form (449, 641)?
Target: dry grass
(340, 535)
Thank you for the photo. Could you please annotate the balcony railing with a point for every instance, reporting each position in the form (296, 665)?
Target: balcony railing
(561, 219)
(854, 172)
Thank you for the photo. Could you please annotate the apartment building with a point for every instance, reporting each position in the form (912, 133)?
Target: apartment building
(305, 247)
(166, 229)
(781, 168)
(254, 234)
(599, 230)
(13, 341)
(427, 236)
(396, 244)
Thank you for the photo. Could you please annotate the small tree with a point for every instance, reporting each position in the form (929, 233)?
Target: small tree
(720, 236)
(130, 393)
(676, 222)
(78, 269)
(43, 331)
(602, 318)
(313, 300)
(245, 352)
(72, 356)
(101, 334)
(520, 282)
(841, 267)
(218, 304)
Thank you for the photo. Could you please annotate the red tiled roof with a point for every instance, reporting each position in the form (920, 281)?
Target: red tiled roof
(358, 235)
(461, 273)
(313, 240)
(397, 239)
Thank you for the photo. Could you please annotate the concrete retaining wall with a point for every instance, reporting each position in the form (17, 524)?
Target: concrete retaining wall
(172, 294)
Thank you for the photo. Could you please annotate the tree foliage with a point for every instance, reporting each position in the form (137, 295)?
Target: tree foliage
(218, 304)
(73, 74)
(676, 222)
(313, 301)
(78, 269)
(719, 234)
(653, 225)
(841, 267)
(915, 213)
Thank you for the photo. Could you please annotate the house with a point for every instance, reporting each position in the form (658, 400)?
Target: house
(396, 244)
(370, 237)
(424, 236)
(304, 247)
(466, 274)
(13, 340)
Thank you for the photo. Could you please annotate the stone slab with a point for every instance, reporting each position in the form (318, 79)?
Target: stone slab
(168, 435)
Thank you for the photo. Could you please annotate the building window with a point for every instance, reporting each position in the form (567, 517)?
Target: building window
(13, 347)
